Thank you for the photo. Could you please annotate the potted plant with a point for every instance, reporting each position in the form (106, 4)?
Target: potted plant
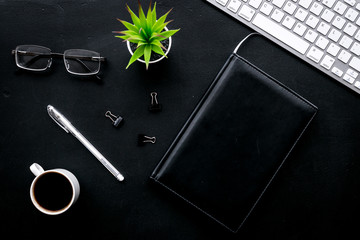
(147, 37)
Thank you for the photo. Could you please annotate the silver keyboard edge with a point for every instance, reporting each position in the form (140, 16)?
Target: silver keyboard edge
(281, 44)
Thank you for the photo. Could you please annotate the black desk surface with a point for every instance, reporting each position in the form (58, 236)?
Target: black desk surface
(315, 195)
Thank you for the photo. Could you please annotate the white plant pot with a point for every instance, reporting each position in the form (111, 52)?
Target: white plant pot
(157, 60)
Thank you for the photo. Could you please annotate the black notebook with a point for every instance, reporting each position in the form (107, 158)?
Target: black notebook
(234, 142)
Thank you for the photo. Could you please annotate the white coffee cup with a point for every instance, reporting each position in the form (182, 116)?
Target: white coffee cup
(47, 183)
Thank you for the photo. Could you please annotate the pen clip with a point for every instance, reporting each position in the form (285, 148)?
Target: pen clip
(56, 117)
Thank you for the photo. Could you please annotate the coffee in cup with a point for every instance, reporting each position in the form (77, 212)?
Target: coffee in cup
(53, 191)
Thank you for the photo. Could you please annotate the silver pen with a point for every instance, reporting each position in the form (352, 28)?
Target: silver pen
(69, 128)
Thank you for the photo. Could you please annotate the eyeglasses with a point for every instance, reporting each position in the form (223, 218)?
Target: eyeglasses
(77, 61)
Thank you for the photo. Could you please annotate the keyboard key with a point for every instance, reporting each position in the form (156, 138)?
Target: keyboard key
(300, 29)
(301, 14)
(345, 41)
(327, 62)
(266, 8)
(352, 73)
(357, 84)
(344, 56)
(315, 54)
(355, 48)
(278, 3)
(327, 15)
(337, 71)
(316, 8)
(311, 35)
(351, 14)
(255, 3)
(222, 2)
(355, 63)
(357, 36)
(288, 22)
(328, 3)
(305, 3)
(246, 12)
(234, 5)
(277, 15)
(350, 29)
(283, 35)
(312, 21)
(323, 28)
(340, 8)
(348, 79)
(334, 35)
(350, 2)
(338, 22)
(333, 49)
(290, 7)
(322, 42)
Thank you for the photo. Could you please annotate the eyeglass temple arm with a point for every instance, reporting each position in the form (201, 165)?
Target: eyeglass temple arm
(86, 67)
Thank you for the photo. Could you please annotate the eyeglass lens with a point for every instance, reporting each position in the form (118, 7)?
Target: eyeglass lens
(82, 62)
(33, 57)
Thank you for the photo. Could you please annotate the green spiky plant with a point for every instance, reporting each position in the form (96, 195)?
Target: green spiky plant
(147, 32)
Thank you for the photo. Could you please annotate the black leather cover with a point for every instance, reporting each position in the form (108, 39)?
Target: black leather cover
(234, 142)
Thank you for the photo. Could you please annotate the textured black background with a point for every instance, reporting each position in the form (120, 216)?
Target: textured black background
(315, 195)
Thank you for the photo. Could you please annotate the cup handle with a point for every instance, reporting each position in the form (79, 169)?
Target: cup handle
(36, 169)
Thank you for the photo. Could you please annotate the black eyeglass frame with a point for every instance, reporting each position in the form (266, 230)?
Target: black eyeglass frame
(58, 55)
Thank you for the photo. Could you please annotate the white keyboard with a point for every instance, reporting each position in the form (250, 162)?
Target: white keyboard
(324, 33)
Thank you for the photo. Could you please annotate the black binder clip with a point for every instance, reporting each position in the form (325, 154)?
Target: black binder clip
(116, 120)
(154, 106)
(142, 139)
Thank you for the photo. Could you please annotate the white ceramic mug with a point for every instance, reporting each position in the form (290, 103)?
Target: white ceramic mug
(39, 172)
